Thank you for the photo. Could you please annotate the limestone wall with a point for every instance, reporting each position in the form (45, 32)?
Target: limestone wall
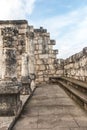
(12, 35)
(33, 48)
(45, 56)
(35, 56)
(76, 66)
(16, 34)
(59, 68)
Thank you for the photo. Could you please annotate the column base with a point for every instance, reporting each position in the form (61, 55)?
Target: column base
(10, 103)
(26, 88)
(32, 77)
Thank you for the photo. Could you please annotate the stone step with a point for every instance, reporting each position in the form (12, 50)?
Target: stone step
(75, 81)
(57, 112)
(79, 85)
(77, 95)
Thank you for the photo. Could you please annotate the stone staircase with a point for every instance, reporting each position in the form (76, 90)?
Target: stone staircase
(76, 89)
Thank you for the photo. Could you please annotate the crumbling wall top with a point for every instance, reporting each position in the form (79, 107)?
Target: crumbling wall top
(76, 57)
(13, 22)
(41, 30)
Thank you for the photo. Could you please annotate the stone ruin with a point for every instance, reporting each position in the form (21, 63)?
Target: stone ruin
(76, 65)
(27, 59)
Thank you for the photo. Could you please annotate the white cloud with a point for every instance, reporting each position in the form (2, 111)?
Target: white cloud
(69, 30)
(15, 9)
(75, 39)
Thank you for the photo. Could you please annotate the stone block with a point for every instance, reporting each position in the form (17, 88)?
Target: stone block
(36, 52)
(39, 62)
(41, 30)
(40, 79)
(83, 61)
(40, 47)
(10, 103)
(43, 56)
(21, 31)
(40, 73)
(46, 79)
(52, 42)
(37, 68)
(51, 66)
(50, 52)
(76, 65)
(49, 61)
(26, 88)
(36, 47)
(39, 51)
(52, 72)
(59, 72)
(50, 47)
(35, 41)
(85, 51)
(40, 41)
(42, 67)
(31, 28)
(55, 52)
(36, 57)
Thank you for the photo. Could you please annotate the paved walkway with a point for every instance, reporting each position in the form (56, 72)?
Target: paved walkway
(51, 109)
(6, 121)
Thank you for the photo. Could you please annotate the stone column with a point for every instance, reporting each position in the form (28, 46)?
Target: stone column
(10, 103)
(25, 75)
(9, 63)
(25, 71)
(30, 52)
(31, 59)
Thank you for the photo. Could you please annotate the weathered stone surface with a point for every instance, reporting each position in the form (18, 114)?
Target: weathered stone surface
(13, 22)
(75, 66)
(51, 109)
(43, 55)
(42, 67)
(52, 42)
(10, 103)
(85, 51)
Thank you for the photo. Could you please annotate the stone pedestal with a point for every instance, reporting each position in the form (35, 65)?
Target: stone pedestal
(26, 85)
(10, 103)
(26, 81)
(32, 77)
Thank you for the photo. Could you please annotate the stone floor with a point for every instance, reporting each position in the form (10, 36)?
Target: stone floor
(6, 121)
(51, 109)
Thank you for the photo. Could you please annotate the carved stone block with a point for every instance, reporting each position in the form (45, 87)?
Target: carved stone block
(9, 31)
(26, 88)
(10, 103)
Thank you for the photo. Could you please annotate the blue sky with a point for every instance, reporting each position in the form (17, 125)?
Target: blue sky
(66, 20)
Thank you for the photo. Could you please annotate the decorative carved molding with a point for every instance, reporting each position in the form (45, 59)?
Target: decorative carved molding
(12, 31)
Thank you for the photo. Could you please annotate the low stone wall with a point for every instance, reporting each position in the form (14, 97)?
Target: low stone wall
(59, 68)
(76, 66)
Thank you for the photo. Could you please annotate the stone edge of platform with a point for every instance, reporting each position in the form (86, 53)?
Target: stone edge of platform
(11, 125)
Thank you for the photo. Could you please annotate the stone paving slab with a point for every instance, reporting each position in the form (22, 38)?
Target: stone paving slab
(82, 128)
(6, 121)
(52, 109)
